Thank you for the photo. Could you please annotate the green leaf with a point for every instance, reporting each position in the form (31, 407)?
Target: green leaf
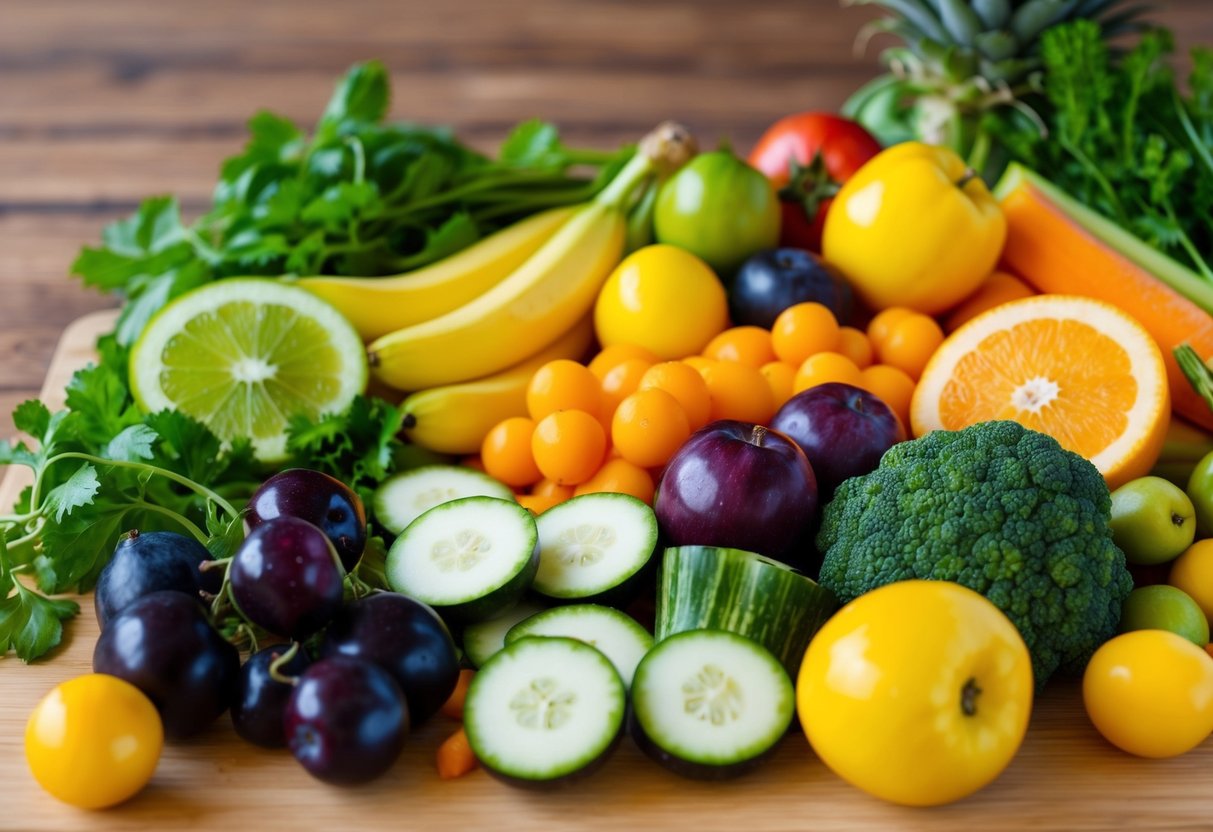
(530, 144)
(100, 402)
(153, 228)
(226, 533)
(32, 417)
(79, 490)
(362, 95)
(131, 445)
(372, 566)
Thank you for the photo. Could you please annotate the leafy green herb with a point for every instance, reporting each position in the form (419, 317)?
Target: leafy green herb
(1122, 139)
(357, 197)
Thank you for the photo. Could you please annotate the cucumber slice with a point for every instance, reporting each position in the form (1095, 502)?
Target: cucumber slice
(469, 559)
(595, 547)
(544, 709)
(483, 639)
(405, 497)
(706, 587)
(614, 633)
(710, 704)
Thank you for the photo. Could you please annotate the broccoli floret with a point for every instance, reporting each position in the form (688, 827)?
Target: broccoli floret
(1003, 510)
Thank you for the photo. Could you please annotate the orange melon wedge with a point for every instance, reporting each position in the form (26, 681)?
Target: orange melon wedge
(1078, 369)
(1062, 247)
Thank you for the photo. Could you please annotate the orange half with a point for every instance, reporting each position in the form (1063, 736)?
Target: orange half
(1078, 369)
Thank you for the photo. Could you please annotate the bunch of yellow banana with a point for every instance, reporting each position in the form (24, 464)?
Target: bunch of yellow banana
(468, 332)
(455, 418)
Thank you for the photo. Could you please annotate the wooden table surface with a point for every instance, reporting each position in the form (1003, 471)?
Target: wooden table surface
(103, 103)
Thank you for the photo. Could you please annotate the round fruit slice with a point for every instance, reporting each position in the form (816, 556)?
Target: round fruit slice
(244, 356)
(1078, 369)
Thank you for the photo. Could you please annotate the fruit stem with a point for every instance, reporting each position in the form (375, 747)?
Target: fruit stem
(668, 147)
(280, 661)
(758, 435)
(969, 176)
(968, 697)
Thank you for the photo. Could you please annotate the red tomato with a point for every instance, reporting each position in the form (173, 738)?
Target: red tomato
(843, 147)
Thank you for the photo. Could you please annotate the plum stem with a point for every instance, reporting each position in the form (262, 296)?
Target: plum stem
(758, 435)
(280, 661)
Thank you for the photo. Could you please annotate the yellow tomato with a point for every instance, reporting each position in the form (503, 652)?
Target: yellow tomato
(93, 741)
(918, 692)
(1192, 572)
(1150, 692)
(915, 228)
(663, 299)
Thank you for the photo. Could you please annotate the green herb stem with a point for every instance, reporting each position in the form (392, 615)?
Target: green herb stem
(197, 488)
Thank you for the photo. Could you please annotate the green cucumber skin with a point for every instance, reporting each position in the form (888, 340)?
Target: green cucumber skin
(706, 587)
(557, 782)
(689, 768)
(641, 582)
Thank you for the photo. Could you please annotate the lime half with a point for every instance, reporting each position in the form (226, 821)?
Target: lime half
(243, 356)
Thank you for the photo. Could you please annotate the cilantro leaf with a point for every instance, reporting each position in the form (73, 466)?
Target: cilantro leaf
(357, 446)
(362, 95)
(79, 490)
(133, 443)
(30, 623)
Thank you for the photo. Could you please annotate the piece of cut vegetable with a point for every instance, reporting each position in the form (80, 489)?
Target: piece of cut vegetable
(405, 497)
(620, 638)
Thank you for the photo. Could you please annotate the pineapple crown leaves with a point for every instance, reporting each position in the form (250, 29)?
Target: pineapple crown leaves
(998, 40)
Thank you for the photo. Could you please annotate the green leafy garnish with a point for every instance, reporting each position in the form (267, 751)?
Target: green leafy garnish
(356, 197)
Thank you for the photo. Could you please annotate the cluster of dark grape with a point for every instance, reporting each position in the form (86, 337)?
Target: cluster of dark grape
(378, 664)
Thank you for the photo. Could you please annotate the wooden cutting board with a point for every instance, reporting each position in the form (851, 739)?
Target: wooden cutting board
(1065, 776)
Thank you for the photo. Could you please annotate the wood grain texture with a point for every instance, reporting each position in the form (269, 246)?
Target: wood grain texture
(1065, 777)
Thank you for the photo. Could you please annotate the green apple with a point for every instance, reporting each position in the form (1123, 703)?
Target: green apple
(1200, 492)
(1165, 608)
(1153, 520)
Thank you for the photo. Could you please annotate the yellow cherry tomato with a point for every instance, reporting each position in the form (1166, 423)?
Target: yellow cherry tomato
(918, 692)
(1192, 572)
(1150, 692)
(93, 741)
(664, 299)
(914, 227)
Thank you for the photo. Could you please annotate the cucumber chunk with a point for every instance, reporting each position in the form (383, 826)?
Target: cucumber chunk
(617, 635)
(469, 559)
(544, 709)
(707, 587)
(405, 497)
(594, 547)
(710, 704)
(483, 639)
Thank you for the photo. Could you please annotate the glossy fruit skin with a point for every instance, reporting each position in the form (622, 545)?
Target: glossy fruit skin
(286, 577)
(718, 208)
(164, 645)
(404, 637)
(1193, 573)
(647, 302)
(1200, 492)
(149, 561)
(740, 485)
(260, 702)
(321, 500)
(904, 234)
(1163, 607)
(346, 721)
(93, 741)
(843, 430)
(770, 281)
(1153, 520)
(844, 147)
(885, 693)
(1150, 693)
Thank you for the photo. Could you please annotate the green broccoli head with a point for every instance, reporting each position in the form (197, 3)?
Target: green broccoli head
(1003, 510)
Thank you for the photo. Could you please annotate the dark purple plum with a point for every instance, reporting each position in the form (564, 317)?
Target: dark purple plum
(346, 720)
(740, 485)
(146, 562)
(771, 281)
(286, 578)
(843, 430)
(260, 703)
(404, 637)
(164, 645)
(319, 499)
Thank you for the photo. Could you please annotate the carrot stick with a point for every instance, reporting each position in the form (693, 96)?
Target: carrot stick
(453, 707)
(455, 757)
